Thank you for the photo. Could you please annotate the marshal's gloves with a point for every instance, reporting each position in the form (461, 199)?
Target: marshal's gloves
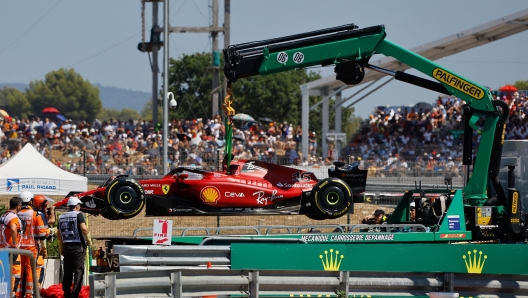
(43, 248)
(89, 239)
(44, 252)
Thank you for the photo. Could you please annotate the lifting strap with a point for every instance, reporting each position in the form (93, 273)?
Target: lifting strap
(228, 122)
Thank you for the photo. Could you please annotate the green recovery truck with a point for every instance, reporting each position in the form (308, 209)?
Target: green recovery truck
(484, 219)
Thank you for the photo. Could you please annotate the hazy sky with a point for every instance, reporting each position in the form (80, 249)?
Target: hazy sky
(99, 38)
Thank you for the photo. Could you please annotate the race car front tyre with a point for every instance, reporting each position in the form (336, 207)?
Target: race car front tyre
(331, 198)
(315, 217)
(106, 213)
(124, 198)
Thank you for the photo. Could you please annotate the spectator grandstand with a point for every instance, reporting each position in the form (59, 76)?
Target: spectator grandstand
(423, 140)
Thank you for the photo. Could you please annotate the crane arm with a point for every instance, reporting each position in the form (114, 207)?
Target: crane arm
(349, 49)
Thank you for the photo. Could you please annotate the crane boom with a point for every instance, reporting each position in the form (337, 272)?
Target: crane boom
(349, 49)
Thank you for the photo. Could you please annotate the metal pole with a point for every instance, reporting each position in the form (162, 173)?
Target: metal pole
(215, 68)
(155, 68)
(84, 163)
(165, 85)
(218, 162)
(227, 33)
(305, 103)
(337, 120)
(327, 96)
(369, 93)
(336, 155)
(324, 133)
(356, 93)
(32, 262)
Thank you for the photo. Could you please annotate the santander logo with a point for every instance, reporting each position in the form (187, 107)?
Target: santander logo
(295, 185)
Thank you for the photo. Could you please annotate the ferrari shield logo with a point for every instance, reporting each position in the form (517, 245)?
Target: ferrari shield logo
(165, 188)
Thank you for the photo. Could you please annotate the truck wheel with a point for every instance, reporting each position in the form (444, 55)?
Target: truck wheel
(124, 198)
(331, 198)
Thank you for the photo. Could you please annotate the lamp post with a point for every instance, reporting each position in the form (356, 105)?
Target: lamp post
(168, 102)
(165, 135)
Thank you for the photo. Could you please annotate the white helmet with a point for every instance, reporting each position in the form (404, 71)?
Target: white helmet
(26, 196)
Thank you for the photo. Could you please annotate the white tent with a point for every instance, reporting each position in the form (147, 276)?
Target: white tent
(29, 170)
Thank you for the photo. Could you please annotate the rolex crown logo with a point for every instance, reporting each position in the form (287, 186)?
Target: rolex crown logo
(474, 264)
(333, 262)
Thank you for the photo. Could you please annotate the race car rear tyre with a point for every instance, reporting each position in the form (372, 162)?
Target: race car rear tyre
(124, 197)
(331, 198)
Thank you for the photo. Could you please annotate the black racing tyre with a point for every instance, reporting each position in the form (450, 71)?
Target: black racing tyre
(331, 198)
(315, 216)
(124, 198)
(108, 214)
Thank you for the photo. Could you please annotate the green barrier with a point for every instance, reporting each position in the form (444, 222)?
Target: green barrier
(448, 258)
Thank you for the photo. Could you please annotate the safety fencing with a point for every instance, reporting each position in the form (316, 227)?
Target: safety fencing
(376, 176)
(266, 230)
(147, 162)
(262, 283)
(154, 257)
(245, 230)
(178, 271)
(12, 257)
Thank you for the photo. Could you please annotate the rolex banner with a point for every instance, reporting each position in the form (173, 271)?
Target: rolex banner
(447, 258)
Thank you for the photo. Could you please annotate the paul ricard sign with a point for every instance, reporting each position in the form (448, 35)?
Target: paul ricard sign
(40, 185)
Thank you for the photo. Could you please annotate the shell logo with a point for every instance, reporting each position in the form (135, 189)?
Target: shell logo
(210, 194)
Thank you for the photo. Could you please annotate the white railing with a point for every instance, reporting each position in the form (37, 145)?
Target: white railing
(12, 256)
(252, 283)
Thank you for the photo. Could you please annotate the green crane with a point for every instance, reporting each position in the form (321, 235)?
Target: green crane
(350, 48)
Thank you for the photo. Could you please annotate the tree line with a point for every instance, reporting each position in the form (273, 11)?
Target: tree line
(275, 96)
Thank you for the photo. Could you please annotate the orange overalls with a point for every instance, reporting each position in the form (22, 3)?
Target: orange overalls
(40, 259)
(34, 229)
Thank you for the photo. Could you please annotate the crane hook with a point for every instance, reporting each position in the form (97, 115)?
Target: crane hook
(228, 100)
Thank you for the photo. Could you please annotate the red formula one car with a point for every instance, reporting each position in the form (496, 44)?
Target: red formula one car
(250, 187)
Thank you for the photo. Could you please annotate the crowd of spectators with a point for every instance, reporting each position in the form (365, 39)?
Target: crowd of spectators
(422, 140)
(425, 140)
(134, 147)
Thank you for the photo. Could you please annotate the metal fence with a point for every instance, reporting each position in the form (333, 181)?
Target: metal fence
(267, 230)
(375, 177)
(27, 253)
(262, 283)
(85, 163)
(154, 257)
(184, 271)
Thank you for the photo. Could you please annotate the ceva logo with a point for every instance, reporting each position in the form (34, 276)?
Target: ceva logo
(13, 185)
